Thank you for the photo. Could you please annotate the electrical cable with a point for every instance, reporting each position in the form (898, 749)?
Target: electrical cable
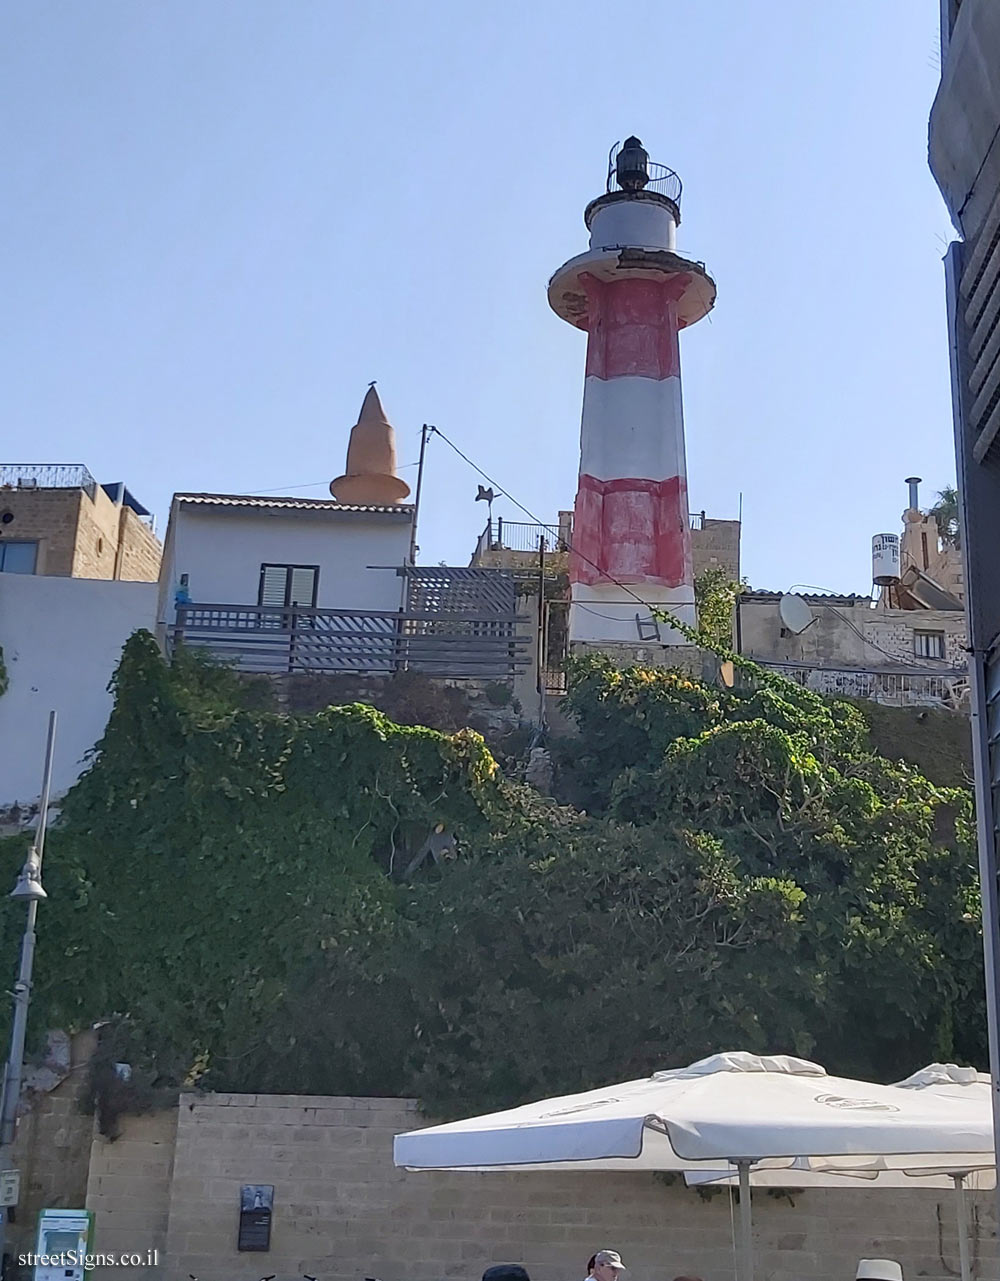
(313, 484)
(924, 666)
(436, 431)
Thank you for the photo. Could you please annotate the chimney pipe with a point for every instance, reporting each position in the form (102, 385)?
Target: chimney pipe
(913, 482)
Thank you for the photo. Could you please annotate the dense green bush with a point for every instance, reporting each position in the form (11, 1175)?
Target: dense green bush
(239, 894)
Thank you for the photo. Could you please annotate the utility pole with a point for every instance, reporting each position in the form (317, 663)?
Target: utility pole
(540, 659)
(28, 889)
(425, 432)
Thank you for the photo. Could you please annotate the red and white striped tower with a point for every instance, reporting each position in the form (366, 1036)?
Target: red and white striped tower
(633, 294)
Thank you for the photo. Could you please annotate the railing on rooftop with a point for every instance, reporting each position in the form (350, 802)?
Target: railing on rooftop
(520, 536)
(523, 536)
(47, 476)
(257, 638)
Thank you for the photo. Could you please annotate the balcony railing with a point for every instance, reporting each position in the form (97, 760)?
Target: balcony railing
(256, 638)
(896, 687)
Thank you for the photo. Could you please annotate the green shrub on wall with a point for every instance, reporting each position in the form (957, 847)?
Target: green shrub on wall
(242, 894)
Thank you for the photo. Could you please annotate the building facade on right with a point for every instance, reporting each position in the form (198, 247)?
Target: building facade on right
(965, 160)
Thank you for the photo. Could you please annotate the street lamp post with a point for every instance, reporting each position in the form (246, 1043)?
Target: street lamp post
(29, 889)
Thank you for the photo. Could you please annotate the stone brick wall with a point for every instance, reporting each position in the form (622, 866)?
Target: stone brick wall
(78, 536)
(685, 658)
(141, 550)
(48, 517)
(52, 1151)
(892, 630)
(129, 1189)
(96, 549)
(716, 545)
(343, 1212)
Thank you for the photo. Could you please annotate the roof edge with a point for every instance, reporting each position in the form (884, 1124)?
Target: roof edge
(289, 503)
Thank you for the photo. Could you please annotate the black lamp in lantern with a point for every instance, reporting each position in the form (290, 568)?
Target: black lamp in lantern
(632, 165)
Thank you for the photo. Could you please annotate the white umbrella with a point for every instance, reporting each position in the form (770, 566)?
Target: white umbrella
(959, 1082)
(739, 1109)
(945, 1079)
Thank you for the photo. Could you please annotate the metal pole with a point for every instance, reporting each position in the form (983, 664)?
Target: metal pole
(22, 989)
(425, 431)
(745, 1252)
(541, 632)
(963, 1226)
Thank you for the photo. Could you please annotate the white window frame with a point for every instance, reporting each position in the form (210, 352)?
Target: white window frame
(922, 643)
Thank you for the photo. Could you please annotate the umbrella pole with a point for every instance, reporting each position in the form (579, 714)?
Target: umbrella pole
(745, 1251)
(961, 1210)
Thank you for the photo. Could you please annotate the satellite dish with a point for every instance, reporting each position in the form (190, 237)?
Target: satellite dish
(795, 613)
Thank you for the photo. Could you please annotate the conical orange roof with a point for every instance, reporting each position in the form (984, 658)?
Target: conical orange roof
(371, 459)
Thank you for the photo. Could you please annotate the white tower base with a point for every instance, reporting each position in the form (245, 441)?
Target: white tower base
(605, 613)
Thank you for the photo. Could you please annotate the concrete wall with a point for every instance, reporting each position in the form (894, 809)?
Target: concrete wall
(343, 1212)
(848, 635)
(61, 639)
(221, 550)
(963, 123)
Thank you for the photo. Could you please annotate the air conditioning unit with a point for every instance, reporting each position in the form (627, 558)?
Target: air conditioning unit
(27, 482)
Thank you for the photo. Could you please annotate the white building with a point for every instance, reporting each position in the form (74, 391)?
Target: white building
(306, 585)
(228, 549)
(270, 582)
(61, 639)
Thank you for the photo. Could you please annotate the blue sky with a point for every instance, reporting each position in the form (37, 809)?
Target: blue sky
(222, 219)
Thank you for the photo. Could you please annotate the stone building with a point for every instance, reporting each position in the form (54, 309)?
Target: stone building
(904, 645)
(56, 520)
(846, 646)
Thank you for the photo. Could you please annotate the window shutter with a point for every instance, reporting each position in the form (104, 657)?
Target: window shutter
(303, 586)
(273, 580)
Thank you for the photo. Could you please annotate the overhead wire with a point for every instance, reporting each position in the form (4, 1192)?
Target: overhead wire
(436, 431)
(653, 609)
(924, 666)
(313, 484)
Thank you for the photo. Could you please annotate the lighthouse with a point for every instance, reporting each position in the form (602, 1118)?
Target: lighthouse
(633, 294)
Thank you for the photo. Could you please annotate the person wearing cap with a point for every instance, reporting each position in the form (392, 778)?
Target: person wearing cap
(606, 1265)
(878, 1270)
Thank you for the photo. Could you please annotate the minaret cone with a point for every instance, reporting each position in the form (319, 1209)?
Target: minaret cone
(371, 477)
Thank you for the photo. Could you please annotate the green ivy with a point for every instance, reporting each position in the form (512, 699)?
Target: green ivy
(715, 595)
